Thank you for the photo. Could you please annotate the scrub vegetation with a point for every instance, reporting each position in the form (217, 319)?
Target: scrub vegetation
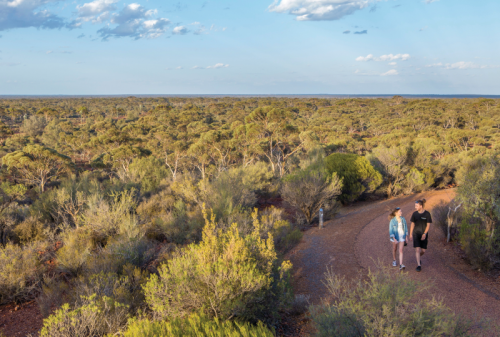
(151, 214)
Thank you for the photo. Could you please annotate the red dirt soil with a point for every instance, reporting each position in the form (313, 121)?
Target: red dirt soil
(20, 320)
(351, 243)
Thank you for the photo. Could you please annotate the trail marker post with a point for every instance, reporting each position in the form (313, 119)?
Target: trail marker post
(321, 218)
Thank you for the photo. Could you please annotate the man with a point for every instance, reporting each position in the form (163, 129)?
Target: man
(419, 232)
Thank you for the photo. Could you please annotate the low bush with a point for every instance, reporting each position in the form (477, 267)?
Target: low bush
(20, 272)
(310, 189)
(357, 174)
(77, 246)
(386, 304)
(125, 288)
(30, 230)
(97, 316)
(225, 275)
(149, 172)
(195, 326)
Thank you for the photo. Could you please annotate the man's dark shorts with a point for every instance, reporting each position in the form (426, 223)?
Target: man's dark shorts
(418, 242)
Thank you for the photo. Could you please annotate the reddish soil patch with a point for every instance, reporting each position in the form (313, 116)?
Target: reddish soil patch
(20, 320)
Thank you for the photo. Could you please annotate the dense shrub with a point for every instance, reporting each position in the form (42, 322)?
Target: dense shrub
(30, 230)
(387, 304)
(285, 234)
(225, 275)
(20, 272)
(479, 192)
(310, 189)
(195, 326)
(357, 174)
(148, 171)
(77, 246)
(34, 126)
(125, 288)
(97, 316)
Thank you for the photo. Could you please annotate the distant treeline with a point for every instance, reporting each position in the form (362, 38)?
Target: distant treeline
(213, 134)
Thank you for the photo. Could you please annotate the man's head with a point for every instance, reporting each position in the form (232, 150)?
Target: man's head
(419, 205)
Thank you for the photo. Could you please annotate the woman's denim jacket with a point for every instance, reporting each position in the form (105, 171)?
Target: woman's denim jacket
(393, 228)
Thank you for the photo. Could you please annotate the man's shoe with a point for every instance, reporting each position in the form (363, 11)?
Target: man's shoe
(394, 263)
(419, 268)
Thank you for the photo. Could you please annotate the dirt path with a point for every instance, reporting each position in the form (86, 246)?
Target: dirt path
(352, 242)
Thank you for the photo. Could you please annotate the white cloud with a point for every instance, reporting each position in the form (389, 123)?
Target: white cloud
(430, 1)
(28, 13)
(96, 11)
(179, 67)
(218, 66)
(392, 63)
(388, 57)
(458, 65)
(369, 57)
(135, 21)
(180, 30)
(197, 67)
(315, 10)
(391, 72)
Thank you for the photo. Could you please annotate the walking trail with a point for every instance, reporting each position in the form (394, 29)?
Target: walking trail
(355, 240)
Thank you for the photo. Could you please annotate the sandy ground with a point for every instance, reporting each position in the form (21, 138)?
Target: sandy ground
(359, 236)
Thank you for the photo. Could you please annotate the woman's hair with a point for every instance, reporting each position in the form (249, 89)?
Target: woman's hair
(421, 202)
(393, 213)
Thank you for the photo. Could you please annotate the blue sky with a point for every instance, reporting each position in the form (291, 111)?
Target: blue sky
(249, 47)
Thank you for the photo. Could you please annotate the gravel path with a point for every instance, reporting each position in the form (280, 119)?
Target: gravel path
(352, 242)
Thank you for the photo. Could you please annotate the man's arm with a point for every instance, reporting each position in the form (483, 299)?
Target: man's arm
(428, 227)
(411, 229)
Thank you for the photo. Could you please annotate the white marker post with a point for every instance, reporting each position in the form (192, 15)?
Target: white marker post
(321, 218)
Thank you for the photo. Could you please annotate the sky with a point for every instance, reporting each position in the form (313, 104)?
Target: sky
(115, 47)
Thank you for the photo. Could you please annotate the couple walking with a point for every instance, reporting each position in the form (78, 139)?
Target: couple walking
(419, 232)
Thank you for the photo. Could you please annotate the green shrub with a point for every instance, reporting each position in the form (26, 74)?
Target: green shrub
(107, 218)
(225, 275)
(30, 230)
(386, 304)
(285, 234)
(230, 192)
(125, 288)
(34, 126)
(97, 316)
(357, 174)
(310, 189)
(479, 191)
(20, 272)
(148, 171)
(77, 246)
(195, 326)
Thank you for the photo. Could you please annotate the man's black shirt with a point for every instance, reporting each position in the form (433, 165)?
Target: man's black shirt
(420, 220)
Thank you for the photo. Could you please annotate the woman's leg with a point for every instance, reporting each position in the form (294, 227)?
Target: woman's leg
(401, 245)
(394, 249)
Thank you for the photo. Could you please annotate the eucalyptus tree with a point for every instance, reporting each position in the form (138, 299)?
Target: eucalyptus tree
(37, 165)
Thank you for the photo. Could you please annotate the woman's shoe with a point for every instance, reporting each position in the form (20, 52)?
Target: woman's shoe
(402, 267)
(394, 263)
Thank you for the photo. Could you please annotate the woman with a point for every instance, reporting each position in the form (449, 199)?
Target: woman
(398, 232)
